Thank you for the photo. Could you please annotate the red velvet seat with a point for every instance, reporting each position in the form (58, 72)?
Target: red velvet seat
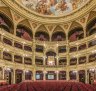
(49, 86)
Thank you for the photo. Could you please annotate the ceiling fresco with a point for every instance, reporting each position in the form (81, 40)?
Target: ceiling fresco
(54, 7)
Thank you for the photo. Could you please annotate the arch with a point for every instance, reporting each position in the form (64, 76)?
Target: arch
(51, 58)
(7, 56)
(72, 75)
(26, 23)
(75, 34)
(42, 34)
(58, 34)
(50, 53)
(75, 25)
(51, 49)
(81, 76)
(91, 27)
(6, 23)
(39, 75)
(28, 75)
(42, 28)
(24, 32)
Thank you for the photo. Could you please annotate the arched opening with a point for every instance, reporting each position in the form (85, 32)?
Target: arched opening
(62, 75)
(63, 61)
(82, 47)
(28, 60)
(91, 75)
(17, 58)
(24, 32)
(42, 36)
(39, 61)
(82, 59)
(39, 75)
(28, 75)
(8, 75)
(82, 76)
(91, 27)
(92, 57)
(76, 34)
(6, 23)
(51, 75)
(58, 36)
(73, 61)
(7, 56)
(72, 75)
(19, 76)
(50, 58)
(39, 48)
(61, 49)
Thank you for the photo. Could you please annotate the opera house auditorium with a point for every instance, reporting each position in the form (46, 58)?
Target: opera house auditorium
(47, 45)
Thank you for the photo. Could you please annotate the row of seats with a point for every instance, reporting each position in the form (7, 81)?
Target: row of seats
(49, 86)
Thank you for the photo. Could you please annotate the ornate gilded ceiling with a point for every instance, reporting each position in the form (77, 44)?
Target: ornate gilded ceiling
(53, 7)
(68, 10)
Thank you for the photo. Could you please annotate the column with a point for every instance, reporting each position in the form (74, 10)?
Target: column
(12, 57)
(15, 26)
(77, 76)
(77, 47)
(57, 61)
(44, 75)
(14, 76)
(23, 46)
(87, 58)
(2, 38)
(3, 69)
(1, 54)
(13, 43)
(44, 61)
(77, 61)
(95, 74)
(68, 57)
(77, 53)
(23, 76)
(87, 45)
(84, 28)
(33, 48)
(34, 73)
(86, 76)
(67, 74)
(23, 59)
(57, 75)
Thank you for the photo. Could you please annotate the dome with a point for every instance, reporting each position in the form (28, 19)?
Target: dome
(53, 7)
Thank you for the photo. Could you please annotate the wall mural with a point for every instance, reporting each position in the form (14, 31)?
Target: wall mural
(53, 7)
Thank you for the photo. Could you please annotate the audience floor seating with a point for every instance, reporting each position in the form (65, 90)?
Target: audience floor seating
(49, 86)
